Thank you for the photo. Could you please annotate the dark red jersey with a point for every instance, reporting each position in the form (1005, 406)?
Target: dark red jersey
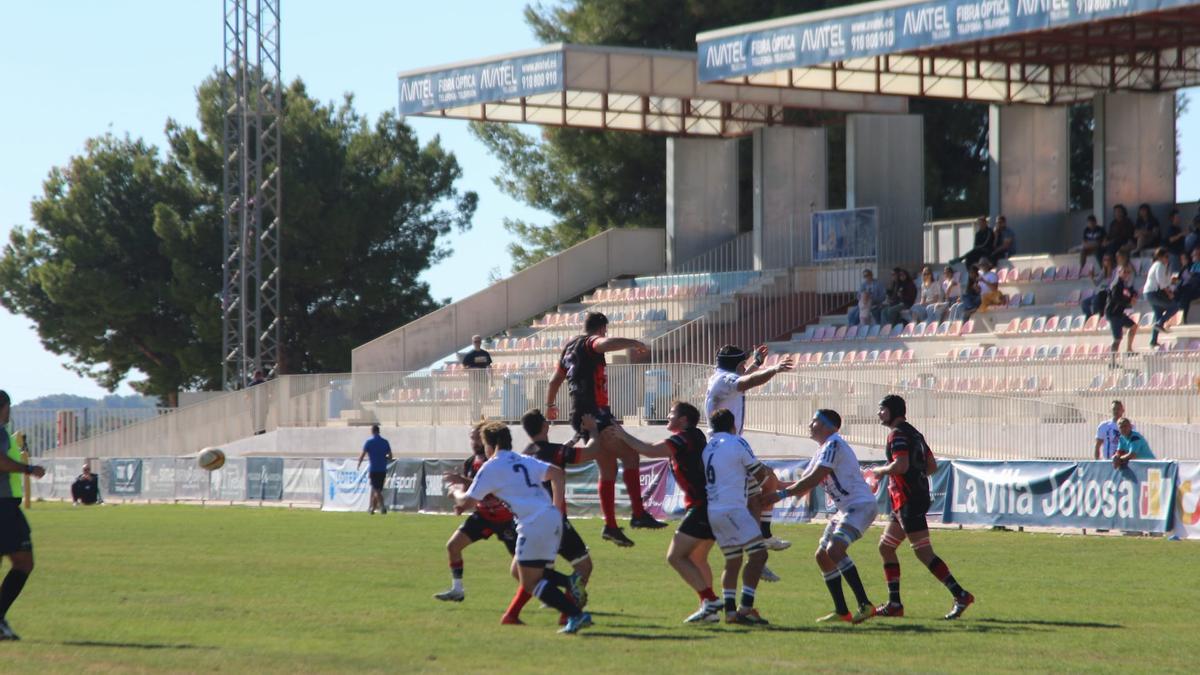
(914, 483)
(490, 508)
(687, 463)
(553, 453)
(587, 380)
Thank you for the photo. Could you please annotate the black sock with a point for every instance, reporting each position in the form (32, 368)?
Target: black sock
(765, 526)
(549, 594)
(850, 574)
(834, 581)
(891, 572)
(747, 597)
(557, 578)
(10, 589)
(730, 600)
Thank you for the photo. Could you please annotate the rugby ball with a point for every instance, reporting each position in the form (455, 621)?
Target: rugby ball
(211, 459)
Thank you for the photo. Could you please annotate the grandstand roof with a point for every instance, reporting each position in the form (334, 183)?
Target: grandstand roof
(610, 88)
(998, 51)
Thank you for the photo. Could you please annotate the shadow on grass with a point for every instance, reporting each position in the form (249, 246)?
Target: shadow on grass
(1043, 622)
(644, 636)
(126, 645)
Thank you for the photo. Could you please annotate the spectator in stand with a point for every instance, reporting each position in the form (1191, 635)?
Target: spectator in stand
(1147, 233)
(1192, 240)
(1131, 445)
(872, 291)
(1093, 238)
(1102, 279)
(258, 378)
(1108, 433)
(1159, 294)
(901, 296)
(477, 362)
(989, 287)
(1173, 240)
(1120, 299)
(1005, 240)
(969, 301)
(86, 488)
(984, 243)
(1120, 231)
(1188, 289)
(931, 299)
(950, 288)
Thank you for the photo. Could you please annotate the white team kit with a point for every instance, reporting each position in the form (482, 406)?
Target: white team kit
(1109, 436)
(517, 479)
(728, 460)
(722, 392)
(846, 487)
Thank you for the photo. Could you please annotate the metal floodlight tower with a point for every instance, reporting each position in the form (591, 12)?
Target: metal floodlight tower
(252, 96)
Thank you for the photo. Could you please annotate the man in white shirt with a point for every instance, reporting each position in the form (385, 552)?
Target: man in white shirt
(517, 479)
(728, 463)
(1108, 435)
(1158, 293)
(734, 375)
(836, 469)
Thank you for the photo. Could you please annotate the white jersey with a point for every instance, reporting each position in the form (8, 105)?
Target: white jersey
(517, 479)
(723, 393)
(844, 484)
(1109, 435)
(728, 461)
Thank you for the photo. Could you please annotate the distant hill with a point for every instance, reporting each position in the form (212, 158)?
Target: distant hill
(63, 401)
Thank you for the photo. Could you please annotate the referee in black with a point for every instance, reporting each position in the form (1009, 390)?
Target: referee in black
(15, 539)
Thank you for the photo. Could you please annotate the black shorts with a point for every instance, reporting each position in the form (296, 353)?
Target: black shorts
(1117, 323)
(912, 514)
(695, 524)
(604, 420)
(571, 546)
(15, 536)
(377, 479)
(476, 528)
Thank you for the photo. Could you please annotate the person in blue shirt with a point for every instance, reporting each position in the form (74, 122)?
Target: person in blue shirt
(380, 453)
(1131, 445)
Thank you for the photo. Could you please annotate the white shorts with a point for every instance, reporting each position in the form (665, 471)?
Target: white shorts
(538, 536)
(733, 528)
(850, 525)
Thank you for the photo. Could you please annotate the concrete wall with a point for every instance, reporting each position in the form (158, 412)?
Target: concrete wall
(885, 168)
(1134, 158)
(514, 300)
(702, 196)
(1028, 177)
(790, 182)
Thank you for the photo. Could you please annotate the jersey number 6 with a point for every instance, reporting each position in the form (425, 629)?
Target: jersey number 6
(518, 468)
(709, 472)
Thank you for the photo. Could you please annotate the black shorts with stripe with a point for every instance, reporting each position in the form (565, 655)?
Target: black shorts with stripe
(912, 512)
(695, 523)
(476, 527)
(571, 546)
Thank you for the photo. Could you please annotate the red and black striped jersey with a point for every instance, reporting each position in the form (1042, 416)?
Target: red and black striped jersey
(687, 463)
(491, 508)
(913, 483)
(587, 380)
(553, 453)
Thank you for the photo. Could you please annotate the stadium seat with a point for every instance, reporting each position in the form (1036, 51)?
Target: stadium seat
(1028, 299)
(1051, 325)
(1048, 273)
(874, 331)
(1039, 324)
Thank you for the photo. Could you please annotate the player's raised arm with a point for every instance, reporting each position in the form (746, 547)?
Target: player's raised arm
(556, 381)
(659, 450)
(558, 487)
(615, 344)
(762, 376)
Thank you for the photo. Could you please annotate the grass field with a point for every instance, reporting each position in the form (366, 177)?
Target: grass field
(192, 589)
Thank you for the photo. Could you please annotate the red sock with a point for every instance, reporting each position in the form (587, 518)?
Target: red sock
(707, 595)
(608, 502)
(518, 602)
(633, 485)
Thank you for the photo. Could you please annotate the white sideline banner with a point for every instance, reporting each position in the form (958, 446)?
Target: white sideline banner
(1187, 501)
(345, 486)
(302, 480)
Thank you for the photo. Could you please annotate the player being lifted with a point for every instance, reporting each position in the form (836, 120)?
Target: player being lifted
(688, 552)
(910, 463)
(836, 469)
(517, 480)
(572, 547)
(728, 464)
(582, 365)
(491, 516)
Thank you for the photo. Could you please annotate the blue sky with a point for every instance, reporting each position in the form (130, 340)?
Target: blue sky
(74, 69)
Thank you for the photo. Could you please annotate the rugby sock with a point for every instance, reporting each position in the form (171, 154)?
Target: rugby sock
(10, 589)
(707, 595)
(943, 575)
(456, 575)
(633, 485)
(747, 597)
(549, 594)
(518, 602)
(608, 502)
(730, 599)
(764, 522)
(891, 572)
(850, 574)
(557, 578)
(833, 580)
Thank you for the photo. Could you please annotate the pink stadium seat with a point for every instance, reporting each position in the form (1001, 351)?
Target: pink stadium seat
(1090, 324)
(1175, 320)
(1156, 381)
(1026, 326)
(852, 332)
(885, 331)
(1102, 325)
(851, 357)
(1010, 326)
(1068, 352)
(975, 384)
(1025, 274)
(967, 328)
(976, 354)
(908, 355)
(908, 330)
(885, 356)
(1051, 324)
(862, 356)
(840, 333)
(1002, 275)
(1096, 352)
(1027, 353)
(1170, 382)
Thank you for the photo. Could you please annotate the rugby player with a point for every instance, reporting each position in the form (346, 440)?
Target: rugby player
(16, 541)
(728, 464)
(517, 480)
(491, 516)
(688, 552)
(836, 469)
(582, 365)
(910, 463)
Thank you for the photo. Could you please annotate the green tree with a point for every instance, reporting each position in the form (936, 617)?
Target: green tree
(121, 268)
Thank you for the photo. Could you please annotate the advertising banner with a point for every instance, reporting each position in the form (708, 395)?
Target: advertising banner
(844, 234)
(792, 509)
(159, 478)
(302, 480)
(264, 478)
(191, 482)
(123, 477)
(480, 83)
(1139, 497)
(658, 487)
(436, 498)
(404, 485)
(228, 483)
(345, 486)
(1187, 501)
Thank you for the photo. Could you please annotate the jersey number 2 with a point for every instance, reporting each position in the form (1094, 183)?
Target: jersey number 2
(518, 468)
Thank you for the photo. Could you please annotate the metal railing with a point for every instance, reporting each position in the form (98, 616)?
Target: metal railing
(49, 428)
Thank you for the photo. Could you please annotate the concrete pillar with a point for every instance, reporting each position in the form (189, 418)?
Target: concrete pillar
(702, 196)
(790, 182)
(1134, 157)
(885, 168)
(1028, 174)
